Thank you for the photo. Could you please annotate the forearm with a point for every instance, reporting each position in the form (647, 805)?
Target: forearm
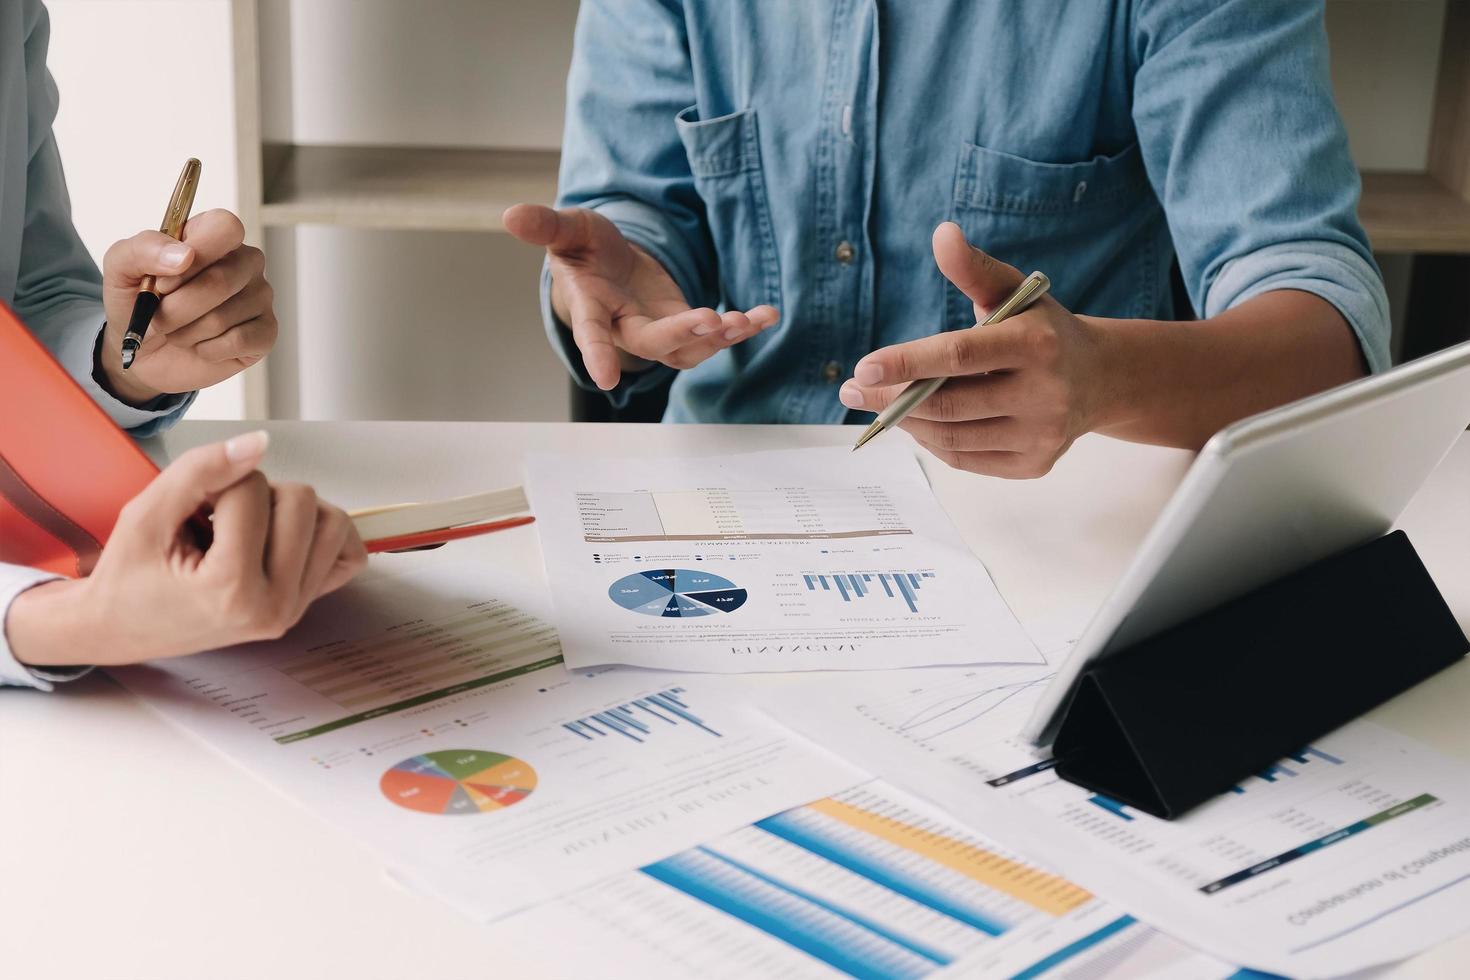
(48, 626)
(1176, 384)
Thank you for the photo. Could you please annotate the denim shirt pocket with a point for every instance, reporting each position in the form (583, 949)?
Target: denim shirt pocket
(725, 159)
(1058, 218)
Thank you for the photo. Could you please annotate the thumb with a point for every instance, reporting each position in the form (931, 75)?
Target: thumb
(148, 253)
(566, 231)
(987, 281)
(197, 477)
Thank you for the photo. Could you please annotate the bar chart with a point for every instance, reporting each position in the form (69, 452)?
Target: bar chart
(852, 586)
(640, 718)
(1291, 767)
(868, 887)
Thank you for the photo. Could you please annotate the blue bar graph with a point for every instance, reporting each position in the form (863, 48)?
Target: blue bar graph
(1110, 805)
(817, 838)
(859, 585)
(1311, 752)
(1080, 946)
(1271, 773)
(844, 942)
(639, 718)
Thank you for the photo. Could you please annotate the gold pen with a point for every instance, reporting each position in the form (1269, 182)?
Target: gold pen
(148, 300)
(1032, 289)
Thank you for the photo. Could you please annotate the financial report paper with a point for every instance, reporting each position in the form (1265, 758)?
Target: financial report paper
(430, 714)
(869, 883)
(1353, 852)
(810, 559)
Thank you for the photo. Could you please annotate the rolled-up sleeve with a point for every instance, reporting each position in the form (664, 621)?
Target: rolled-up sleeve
(1245, 148)
(58, 292)
(622, 156)
(15, 579)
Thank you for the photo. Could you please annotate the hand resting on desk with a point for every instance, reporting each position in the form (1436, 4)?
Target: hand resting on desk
(156, 593)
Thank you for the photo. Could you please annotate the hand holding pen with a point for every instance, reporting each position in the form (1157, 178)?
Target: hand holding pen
(1013, 394)
(212, 304)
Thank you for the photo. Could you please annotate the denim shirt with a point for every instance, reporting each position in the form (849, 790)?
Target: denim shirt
(801, 154)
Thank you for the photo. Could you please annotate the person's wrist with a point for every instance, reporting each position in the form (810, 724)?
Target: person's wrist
(122, 385)
(1108, 372)
(48, 625)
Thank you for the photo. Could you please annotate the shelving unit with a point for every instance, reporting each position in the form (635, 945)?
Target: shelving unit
(405, 188)
(466, 189)
(1414, 212)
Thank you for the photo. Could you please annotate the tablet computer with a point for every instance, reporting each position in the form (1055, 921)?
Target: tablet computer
(1271, 494)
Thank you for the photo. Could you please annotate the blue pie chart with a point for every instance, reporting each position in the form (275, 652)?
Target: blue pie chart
(676, 593)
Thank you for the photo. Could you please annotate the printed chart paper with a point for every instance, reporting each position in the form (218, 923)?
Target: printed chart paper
(811, 559)
(1353, 852)
(430, 714)
(869, 883)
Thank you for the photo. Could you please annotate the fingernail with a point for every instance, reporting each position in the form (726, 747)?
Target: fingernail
(849, 395)
(250, 446)
(734, 332)
(868, 373)
(174, 256)
(700, 329)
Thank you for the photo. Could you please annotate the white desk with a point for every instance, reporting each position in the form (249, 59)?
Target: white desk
(129, 850)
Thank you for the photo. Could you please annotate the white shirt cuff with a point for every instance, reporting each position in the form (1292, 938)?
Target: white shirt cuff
(15, 579)
(76, 349)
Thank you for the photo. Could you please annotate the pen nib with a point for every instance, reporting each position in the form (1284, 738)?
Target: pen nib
(129, 352)
(872, 432)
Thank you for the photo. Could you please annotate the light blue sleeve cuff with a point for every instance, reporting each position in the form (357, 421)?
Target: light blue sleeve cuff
(76, 349)
(566, 351)
(15, 579)
(1335, 272)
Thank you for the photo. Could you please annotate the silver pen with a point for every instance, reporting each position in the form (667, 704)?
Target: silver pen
(1032, 289)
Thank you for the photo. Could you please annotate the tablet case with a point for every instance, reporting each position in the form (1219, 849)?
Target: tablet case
(1184, 716)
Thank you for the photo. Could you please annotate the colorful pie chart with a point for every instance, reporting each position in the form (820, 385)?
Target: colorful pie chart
(676, 593)
(458, 781)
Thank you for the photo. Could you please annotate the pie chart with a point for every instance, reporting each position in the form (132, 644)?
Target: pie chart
(676, 593)
(458, 781)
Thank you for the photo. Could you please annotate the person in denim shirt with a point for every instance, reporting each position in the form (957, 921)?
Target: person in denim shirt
(840, 160)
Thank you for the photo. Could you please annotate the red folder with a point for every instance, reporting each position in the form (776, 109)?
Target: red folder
(66, 469)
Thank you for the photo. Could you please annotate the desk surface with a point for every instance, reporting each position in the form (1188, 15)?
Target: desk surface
(128, 850)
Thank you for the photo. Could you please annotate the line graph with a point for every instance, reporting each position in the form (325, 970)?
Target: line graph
(935, 717)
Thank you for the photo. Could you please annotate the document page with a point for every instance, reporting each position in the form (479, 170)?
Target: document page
(1353, 852)
(430, 714)
(867, 883)
(810, 559)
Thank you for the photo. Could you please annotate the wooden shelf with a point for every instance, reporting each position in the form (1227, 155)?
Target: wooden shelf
(1413, 212)
(430, 189)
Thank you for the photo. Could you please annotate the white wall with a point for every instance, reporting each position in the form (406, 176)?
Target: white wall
(465, 341)
(1385, 57)
(121, 61)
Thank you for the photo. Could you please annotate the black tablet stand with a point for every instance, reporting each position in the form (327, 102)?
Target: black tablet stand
(1179, 718)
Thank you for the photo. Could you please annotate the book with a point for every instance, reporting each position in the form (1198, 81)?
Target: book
(403, 527)
(66, 470)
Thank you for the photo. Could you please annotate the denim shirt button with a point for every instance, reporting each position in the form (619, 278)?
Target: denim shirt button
(831, 372)
(845, 252)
